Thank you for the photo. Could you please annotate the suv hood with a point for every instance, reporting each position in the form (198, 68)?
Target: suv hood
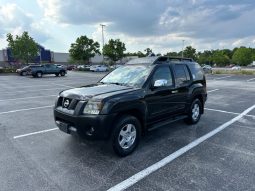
(86, 92)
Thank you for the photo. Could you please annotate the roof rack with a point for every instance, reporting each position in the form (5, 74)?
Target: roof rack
(180, 59)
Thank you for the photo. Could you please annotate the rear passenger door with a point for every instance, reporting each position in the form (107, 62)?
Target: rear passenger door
(51, 69)
(182, 82)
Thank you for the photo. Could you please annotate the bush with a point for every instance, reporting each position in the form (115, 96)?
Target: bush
(83, 69)
(236, 72)
(7, 70)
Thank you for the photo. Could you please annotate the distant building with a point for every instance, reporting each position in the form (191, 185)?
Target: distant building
(47, 56)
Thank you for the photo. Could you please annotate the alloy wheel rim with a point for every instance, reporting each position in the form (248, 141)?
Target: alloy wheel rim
(195, 112)
(127, 136)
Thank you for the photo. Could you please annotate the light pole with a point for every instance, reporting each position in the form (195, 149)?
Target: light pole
(102, 25)
(40, 56)
(182, 47)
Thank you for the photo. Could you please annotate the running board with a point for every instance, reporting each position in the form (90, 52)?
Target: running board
(166, 122)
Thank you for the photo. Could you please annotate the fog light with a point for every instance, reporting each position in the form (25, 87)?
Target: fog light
(90, 131)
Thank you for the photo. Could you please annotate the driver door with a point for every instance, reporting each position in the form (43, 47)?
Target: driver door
(161, 101)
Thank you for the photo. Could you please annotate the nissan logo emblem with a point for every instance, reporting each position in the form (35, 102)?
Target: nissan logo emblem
(66, 103)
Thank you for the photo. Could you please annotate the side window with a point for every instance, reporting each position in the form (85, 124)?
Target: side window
(182, 74)
(163, 73)
(197, 72)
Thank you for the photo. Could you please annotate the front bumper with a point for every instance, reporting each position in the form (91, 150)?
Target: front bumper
(89, 126)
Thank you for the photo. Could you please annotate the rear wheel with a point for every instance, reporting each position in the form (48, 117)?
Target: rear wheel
(194, 112)
(62, 73)
(126, 135)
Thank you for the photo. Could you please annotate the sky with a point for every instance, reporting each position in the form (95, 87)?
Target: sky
(161, 25)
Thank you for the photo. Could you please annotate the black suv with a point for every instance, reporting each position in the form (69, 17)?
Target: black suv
(142, 95)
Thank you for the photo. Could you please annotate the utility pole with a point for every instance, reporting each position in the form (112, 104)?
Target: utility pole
(102, 25)
(182, 47)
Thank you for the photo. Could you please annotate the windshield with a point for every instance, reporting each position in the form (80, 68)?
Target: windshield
(128, 75)
(26, 67)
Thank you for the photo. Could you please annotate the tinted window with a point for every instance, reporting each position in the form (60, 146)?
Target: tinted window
(163, 73)
(196, 70)
(182, 75)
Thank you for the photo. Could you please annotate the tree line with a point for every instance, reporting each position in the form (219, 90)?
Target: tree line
(25, 49)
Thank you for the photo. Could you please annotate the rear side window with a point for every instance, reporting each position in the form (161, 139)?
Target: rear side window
(197, 72)
(182, 74)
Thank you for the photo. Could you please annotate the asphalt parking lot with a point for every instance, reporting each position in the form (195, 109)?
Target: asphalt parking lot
(35, 155)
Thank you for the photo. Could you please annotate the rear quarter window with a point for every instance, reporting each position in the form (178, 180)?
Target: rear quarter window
(196, 71)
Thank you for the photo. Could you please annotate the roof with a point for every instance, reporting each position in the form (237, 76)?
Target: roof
(155, 59)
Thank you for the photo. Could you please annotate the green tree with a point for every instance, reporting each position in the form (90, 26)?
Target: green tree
(243, 56)
(140, 54)
(23, 48)
(173, 54)
(83, 49)
(148, 51)
(220, 58)
(114, 49)
(190, 52)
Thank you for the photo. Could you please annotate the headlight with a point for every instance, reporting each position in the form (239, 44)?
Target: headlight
(93, 107)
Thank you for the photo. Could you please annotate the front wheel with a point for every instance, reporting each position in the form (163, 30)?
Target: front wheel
(126, 135)
(194, 112)
(39, 74)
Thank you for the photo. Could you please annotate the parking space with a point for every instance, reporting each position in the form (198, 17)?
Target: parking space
(47, 159)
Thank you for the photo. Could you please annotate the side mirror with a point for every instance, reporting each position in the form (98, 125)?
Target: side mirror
(160, 83)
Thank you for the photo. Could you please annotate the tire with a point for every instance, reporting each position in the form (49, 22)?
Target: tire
(194, 112)
(130, 127)
(38, 74)
(24, 73)
(62, 73)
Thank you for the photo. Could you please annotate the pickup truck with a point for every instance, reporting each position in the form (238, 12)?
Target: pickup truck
(41, 70)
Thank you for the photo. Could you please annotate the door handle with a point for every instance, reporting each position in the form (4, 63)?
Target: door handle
(174, 91)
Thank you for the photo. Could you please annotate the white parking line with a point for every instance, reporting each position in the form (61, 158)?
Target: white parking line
(34, 133)
(1, 100)
(28, 109)
(250, 79)
(31, 86)
(64, 85)
(32, 90)
(222, 77)
(142, 174)
(212, 90)
(222, 111)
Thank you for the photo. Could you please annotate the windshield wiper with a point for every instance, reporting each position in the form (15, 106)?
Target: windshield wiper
(119, 84)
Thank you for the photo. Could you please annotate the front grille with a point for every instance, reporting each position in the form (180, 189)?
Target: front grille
(67, 103)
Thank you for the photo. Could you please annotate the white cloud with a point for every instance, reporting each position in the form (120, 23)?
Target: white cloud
(14, 20)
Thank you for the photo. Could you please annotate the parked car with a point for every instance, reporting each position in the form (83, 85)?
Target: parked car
(41, 70)
(26, 70)
(60, 65)
(71, 67)
(144, 94)
(99, 68)
(236, 68)
(80, 67)
(252, 64)
(207, 69)
(115, 66)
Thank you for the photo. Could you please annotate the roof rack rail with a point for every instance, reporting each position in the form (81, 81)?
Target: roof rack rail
(180, 59)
